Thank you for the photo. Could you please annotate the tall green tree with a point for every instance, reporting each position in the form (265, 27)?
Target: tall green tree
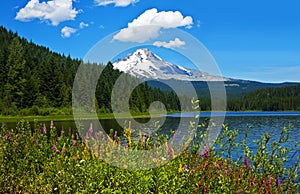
(15, 85)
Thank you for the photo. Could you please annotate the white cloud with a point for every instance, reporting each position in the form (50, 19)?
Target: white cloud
(176, 43)
(66, 31)
(55, 11)
(149, 23)
(83, 25)
(118, 3)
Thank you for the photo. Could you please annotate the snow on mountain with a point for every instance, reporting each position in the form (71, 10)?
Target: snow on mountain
(146, 65)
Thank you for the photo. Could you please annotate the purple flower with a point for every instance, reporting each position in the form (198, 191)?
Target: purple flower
(115, 135)
(185, 167)
(51, 124)
(246, 162)
(77, 136)
(154, 154)
(74, 143)
(269, 182)
(44, 129)
(55, 149)
(252, 181)
(175, 135)
(206, 152)
(8, 137)
(97, 134)
(240, 191)
(147, 137)
(278, 182)
(91, 128)
(170, 150)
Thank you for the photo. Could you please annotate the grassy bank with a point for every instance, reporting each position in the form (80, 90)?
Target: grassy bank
(70, 117)
(40, 161)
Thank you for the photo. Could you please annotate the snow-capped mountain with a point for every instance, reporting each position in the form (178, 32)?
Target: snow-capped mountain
(146, 65)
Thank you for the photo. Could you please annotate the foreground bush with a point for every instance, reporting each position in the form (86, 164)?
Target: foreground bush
(41, 159)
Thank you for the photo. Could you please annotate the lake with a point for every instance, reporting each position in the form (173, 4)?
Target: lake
(260, 122)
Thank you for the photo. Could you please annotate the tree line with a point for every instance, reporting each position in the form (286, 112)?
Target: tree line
(35, 80)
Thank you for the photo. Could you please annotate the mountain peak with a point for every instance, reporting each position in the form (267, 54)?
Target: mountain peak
(146, 65)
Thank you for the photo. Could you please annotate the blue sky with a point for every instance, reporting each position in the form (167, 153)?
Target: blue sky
(256, 40)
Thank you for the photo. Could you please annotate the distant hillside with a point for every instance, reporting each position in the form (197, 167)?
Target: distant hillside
(269, 99)
(234, 89)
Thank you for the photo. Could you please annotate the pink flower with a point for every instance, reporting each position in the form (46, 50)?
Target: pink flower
(170, 150)
(55, 149)
(8, 137)
(185, 167)
(252, 181)
(175, 135)
(51, 124)
(147, 137)
(115, 135)
(91, 128)
(77, 136)
(97, 134)
(269, 182)
(74, 143)
(246, 162)
(44, 129)
(240, 191)
(206, 152)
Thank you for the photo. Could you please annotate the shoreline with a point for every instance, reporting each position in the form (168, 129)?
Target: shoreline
(111, 115)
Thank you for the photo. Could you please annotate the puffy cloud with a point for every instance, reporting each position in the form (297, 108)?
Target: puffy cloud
(83, 25)
(66, 31)
(118, 3)
(149, 23)
(55, 11)
(171, 44)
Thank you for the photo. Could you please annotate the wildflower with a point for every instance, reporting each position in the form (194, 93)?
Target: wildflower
(74, 143)
(44, 129)
(240, 191)
(97, 134)
(8, 137)
(170, 150)
(147, 136)
(185, 167)
(15, 148)
(206, 152)
(246, 162)
(278, 182)
(91, 128)
(269, 182)
(180, 168)
(252, 181)
(154, 154)
(115, 135)
(175, 135)
(63, 150)
(55, 149)
(77, 136)
(51, 124)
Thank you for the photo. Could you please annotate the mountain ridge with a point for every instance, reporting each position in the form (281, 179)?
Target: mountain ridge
(146, 65)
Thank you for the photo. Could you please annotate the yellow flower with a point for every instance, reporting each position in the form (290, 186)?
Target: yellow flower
(180, 168)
